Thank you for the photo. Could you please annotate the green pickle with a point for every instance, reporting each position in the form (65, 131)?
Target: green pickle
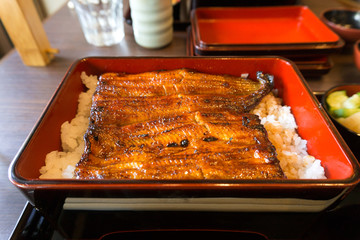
(345, 112)
(336, 99)
(343, 107)
(352, 102)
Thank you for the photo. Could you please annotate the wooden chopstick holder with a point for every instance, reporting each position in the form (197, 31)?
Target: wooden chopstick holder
(26, 31)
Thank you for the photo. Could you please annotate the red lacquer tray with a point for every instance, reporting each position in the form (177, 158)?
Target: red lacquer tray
(271, 30)
(309, 66)
(324, 142)
(260, 25)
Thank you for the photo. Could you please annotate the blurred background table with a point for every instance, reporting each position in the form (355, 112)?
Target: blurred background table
(25, 91)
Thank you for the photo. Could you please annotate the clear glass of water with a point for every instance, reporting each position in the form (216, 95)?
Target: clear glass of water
(101, 21)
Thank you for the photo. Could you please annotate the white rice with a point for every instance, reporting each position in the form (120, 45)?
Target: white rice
(290, 147)
(61, 164)
(277, 119)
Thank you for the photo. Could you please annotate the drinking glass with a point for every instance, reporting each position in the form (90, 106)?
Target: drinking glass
(101, 21)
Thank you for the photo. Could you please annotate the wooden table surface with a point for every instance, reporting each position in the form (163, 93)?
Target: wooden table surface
(25, 91)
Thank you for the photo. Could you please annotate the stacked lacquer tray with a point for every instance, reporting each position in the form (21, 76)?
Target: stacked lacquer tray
(293, 32)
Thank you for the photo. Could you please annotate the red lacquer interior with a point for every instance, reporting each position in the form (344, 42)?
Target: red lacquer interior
(260, 25)
(312, 126)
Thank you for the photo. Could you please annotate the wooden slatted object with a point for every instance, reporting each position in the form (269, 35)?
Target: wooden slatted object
(26, 31)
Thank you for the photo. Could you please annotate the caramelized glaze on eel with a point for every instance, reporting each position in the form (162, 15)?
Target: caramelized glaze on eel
(177, 124)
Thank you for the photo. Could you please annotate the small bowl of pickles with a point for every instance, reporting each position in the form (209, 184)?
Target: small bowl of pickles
(342, 103)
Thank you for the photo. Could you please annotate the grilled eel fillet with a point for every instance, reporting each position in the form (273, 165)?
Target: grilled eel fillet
(177, 124)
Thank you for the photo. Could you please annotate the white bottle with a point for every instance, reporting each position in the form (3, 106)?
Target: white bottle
(152, 22)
